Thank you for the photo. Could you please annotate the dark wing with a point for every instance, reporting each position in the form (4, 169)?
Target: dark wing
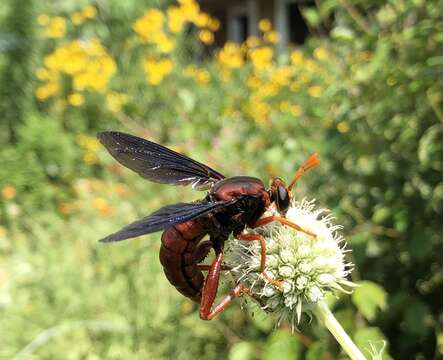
(166, 217)
(157, 163)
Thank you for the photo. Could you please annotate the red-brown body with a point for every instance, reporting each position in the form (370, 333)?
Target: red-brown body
(180, 253)
(182, 250)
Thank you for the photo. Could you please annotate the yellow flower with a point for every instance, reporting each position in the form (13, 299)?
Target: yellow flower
(321, 53)
(311, 66)
(149, 25)
(41, 93)
(213, 24)
(47, 90)
(262, 57)
(260, 111)
(156, 71)
(297, 57)
(264, 25)
(44, 74)
(254, 82)
(282, 75)
(230, 56)
(76, 99)
(284, 106)
(56, 27)
(272, 36)
(203, 77)
(190, 11)
(77, 18)
(293, 109)
(202, 20)
(175, 19)
(149, 28)
(116, 100)
(268, 89)
(315, 91)
(343, 127)
(89, 11)
(190, 70)
(206, 37)
(90, 147)
(252, 42)
(166, 44)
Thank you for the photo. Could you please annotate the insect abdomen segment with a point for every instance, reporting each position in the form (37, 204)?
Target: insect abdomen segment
(180, 253)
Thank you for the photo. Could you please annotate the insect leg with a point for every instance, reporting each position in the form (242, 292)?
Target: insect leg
(254, 237)
(202, 251)
(312, 161)
(238, 290)
(210, 287)
(282, 220)
(207, 267)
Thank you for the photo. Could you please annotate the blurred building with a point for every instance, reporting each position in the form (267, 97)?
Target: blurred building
(239, 18)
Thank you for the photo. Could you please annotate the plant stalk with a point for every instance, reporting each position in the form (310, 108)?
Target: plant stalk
(323, 313)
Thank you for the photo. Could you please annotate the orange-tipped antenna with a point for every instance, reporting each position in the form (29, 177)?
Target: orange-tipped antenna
(311, 162)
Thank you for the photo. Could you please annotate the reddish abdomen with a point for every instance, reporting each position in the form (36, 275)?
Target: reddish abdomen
(177, 255)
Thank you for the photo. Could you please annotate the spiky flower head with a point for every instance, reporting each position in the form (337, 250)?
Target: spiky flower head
(307, 267)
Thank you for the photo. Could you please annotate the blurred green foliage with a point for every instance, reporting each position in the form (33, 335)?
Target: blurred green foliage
(370, 104)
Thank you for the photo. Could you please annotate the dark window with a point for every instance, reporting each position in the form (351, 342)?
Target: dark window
(298, 30)
(242, 21)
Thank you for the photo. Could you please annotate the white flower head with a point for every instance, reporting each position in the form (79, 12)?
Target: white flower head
(307, 267)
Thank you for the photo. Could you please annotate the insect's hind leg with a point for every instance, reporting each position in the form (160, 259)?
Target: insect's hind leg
(209, 291)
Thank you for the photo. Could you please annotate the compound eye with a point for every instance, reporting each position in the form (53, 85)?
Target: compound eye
(282, 199)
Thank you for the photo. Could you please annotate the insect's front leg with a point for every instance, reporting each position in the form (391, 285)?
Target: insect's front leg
(281, 220)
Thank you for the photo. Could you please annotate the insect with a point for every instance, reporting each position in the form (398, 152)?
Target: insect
(231, 205)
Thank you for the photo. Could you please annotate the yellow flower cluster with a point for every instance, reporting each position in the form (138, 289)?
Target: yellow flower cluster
(90, 147)
(201, 76)
(116, 101)
(87, 63)
(55, 26)
(157, 70)
(269, 35)
(88, 12)
(76, 99)
(262, 57)
(270, 83)
(293, 109)
(160, 29)
(231, 56)
(149, 28)
(258, 109)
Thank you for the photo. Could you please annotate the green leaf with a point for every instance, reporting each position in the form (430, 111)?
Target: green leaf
(381, 215)
(315, 351)
(415, 317)
(369, 298)
(372, 343)
(282, 345)
(242, 350)
(311, 16)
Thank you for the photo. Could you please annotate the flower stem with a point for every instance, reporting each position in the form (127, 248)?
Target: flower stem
(323, 313)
